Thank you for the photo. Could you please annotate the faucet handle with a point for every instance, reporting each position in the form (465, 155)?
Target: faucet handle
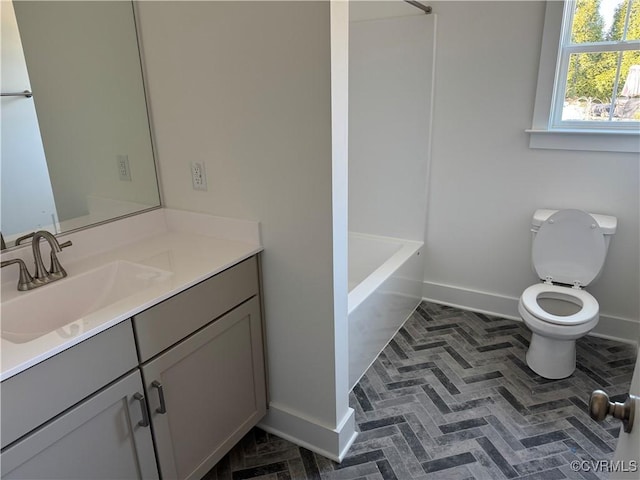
(26, 281)
(66, 244)
(56, 270)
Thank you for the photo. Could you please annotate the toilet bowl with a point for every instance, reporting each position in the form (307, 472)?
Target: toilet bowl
(569, 249)
(557, 316)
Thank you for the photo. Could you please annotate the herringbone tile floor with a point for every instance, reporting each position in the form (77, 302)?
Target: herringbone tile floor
(451, 397)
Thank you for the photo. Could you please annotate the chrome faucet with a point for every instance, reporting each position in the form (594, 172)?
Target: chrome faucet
(55, 272)
(42, 276)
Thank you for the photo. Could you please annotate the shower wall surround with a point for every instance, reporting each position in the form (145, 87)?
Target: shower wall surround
(390, 99)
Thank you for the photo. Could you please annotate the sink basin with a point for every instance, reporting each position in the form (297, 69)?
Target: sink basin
(65, 302)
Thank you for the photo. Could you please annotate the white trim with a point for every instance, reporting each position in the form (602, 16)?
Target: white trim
(619, 329)
(474, 300)
(306, 432)
(601, 141)
(343, 436)
(614, 328)
(541, 135)
(597, 47)
(562, 63)
(547, 67)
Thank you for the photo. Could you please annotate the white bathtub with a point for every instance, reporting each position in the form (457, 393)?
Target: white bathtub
(385, 286)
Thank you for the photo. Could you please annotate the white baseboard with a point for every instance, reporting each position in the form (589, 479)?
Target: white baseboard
(332, 443)
(615, 328)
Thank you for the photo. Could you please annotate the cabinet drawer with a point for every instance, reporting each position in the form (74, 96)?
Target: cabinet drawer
(43, 391)
(165, 324)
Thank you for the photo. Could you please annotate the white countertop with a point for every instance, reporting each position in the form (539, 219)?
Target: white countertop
(191, 247)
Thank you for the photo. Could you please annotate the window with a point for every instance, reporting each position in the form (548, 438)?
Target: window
(598, 75)
(593, 47)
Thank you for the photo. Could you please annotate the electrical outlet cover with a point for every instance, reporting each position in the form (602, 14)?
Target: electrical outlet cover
(124, 172)
(198, 176)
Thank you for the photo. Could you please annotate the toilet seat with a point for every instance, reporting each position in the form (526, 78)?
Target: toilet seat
(587, 313)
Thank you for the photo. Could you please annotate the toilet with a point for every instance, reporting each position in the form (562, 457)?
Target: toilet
(569, 250)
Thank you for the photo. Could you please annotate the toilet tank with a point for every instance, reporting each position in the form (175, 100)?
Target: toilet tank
(607, 223)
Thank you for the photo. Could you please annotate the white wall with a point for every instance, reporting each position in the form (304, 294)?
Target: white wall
(486, 182)
(245, 88)
(390, 75)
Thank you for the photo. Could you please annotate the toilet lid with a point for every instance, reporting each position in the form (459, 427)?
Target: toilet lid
(569, 247)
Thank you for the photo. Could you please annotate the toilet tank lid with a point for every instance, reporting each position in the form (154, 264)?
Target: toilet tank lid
(607, 223)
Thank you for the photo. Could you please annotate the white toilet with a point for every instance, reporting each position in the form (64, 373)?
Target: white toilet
(569, 249)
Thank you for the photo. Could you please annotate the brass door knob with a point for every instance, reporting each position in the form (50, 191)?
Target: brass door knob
(600, 407)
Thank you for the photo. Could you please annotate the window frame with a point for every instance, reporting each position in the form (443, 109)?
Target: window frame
(547, 133)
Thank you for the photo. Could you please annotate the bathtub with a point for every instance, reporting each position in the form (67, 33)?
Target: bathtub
(385, 287)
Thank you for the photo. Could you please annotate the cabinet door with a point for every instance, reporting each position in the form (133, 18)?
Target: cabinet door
(207, 392)
(101, 438)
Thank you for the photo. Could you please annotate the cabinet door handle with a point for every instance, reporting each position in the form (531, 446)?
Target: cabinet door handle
(143, 406)
(162, 409)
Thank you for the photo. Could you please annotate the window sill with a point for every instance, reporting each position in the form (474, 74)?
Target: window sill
(585, 140)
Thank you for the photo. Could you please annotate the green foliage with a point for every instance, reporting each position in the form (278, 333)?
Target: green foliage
(588, 24)
(592, 75)
(587, 27)
(619, 16)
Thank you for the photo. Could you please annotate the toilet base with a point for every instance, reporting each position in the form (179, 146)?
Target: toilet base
(550, 358)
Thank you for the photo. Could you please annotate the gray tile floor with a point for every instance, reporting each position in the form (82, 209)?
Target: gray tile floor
(451, 397)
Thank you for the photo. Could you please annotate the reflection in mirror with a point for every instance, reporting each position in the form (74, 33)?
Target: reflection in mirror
(78, 152)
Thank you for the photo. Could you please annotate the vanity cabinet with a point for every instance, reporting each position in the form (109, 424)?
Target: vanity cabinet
(207, 390)
(189, 369)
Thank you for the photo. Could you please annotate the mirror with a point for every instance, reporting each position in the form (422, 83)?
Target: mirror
(78, 151)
